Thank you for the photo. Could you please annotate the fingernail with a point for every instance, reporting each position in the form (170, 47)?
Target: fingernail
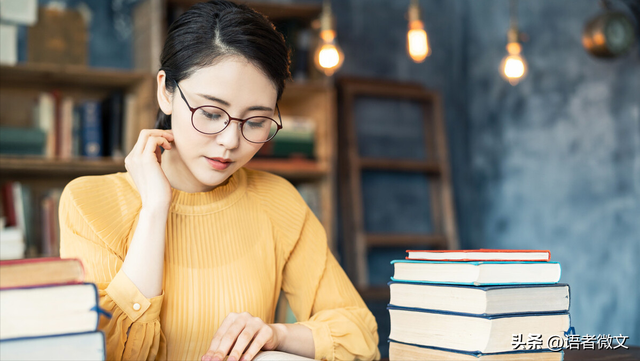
(216, 358)
(206, 358)
(231, 358)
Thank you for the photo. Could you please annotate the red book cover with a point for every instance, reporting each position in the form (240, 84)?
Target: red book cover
(32, 272)
(503, 255)
(8, 204)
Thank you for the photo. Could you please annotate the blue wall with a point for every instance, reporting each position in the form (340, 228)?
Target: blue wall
(552, 163)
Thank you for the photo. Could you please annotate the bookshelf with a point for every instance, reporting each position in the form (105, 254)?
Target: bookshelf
(20, 86)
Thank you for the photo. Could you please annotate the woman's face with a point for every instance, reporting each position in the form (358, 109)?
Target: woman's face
(198, 162)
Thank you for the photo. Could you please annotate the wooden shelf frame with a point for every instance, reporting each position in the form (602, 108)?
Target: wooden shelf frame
(41, 75)
(273, 11)
(357, 240)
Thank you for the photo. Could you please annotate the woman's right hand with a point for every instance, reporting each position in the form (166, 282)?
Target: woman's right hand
(143, 164)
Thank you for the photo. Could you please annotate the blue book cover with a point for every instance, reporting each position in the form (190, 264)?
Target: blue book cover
(92, 137)
(72, 346)
(486, 317)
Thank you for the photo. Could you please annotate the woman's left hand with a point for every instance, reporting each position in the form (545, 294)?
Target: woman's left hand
(247, 335)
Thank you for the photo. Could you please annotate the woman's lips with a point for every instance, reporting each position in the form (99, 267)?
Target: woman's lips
(218, 163)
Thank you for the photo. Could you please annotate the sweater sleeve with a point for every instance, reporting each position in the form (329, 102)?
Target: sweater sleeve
(323, 298)
(133, 332)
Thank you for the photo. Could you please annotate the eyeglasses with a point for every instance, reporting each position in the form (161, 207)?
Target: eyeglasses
(209, 120)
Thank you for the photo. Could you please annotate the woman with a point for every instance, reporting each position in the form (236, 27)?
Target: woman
(189, 249)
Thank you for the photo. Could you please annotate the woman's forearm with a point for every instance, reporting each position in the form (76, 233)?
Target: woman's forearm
(144, 262)
(295, 338)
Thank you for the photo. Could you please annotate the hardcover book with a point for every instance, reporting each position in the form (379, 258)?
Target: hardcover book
(40, 272)
(481, 300)
(89, 346)
(409, 352)
(49, 310)
(480, 255)
(476, 273)
(472, 333)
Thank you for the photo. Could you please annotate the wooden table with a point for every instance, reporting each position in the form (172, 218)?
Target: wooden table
(632, 354)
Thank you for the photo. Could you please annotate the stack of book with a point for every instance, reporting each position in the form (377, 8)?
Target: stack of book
(296, 139)
(480, 304)
(48, 313)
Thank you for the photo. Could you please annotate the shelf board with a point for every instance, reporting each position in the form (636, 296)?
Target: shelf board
(56, 167)
(273, 11)
(399, 240)
(69, 75)
(429, 167)
(293, 169)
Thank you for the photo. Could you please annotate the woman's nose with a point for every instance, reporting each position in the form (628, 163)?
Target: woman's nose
(230, 136)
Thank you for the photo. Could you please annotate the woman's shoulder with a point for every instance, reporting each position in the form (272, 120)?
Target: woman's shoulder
(109, 185)
(93, 196)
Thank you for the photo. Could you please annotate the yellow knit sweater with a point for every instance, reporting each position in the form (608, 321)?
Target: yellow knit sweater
(228, 250)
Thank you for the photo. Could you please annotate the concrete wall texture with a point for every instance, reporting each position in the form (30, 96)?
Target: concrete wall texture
(552, 163)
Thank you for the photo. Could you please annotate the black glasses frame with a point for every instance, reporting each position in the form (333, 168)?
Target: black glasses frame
(242, 121)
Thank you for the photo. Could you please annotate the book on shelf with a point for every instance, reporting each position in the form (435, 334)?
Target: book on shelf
(48, 310)
(410, 352)
(479, 255)
(22, 141)
(476, 273)
(481, 300)
(92, 138)
(472, 333)
(40, 272)
(12, 243)
(295, 139)
(17, 236)
(65, 135)
(45, 113)
(112, 116)
(50, 240)
(86, 346)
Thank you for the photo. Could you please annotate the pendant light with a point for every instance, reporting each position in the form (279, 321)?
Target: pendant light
(417, 40)
(513, 66)
(328, 56)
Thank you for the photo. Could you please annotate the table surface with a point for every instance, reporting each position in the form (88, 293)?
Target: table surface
(632, 354)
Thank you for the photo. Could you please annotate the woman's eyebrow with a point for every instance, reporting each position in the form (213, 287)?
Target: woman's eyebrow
(225, 103)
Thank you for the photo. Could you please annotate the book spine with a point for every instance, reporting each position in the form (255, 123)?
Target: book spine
(92, 129)
(66, 128)
(22, 141)
(46, 121)
(8, 204)
(76, 138)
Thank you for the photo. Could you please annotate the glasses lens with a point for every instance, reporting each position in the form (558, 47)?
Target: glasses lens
(210, 119)
(259, 129)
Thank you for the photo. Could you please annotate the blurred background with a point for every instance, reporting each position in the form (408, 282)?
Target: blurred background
(443, 144)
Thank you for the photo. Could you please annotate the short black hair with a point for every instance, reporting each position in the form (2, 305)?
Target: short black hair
(212, 30)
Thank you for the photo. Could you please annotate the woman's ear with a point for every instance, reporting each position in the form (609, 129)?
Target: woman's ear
(164, 96)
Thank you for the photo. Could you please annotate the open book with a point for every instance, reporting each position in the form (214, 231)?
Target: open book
(278, 356)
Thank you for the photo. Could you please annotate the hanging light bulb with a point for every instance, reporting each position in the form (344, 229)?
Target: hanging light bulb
(417, 40)
(328, 55)
(513, 67)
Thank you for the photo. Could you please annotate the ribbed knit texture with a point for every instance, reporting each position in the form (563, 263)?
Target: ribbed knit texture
(228, 250)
